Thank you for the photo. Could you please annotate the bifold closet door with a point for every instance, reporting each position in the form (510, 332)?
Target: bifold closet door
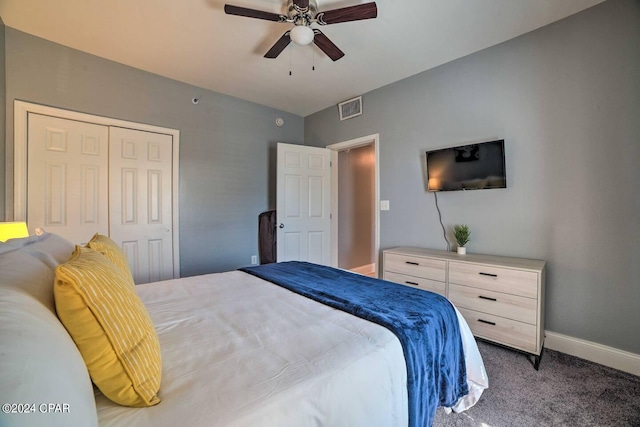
(67, 177)
(140, 197)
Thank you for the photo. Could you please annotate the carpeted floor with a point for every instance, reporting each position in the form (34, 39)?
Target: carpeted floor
(566, 391)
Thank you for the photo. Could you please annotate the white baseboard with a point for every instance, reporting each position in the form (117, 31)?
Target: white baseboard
(598, 353)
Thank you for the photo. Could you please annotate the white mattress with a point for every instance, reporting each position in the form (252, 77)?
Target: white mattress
(239, 351)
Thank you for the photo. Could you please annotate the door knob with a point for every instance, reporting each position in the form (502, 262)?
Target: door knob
(281, 225)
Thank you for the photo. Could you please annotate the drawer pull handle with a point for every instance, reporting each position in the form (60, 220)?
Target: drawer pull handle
(487, 322)
(412, 283)
(488, 274)
(487, 298)
(411, 263)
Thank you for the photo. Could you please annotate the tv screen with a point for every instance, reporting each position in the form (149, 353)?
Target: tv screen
(467, 167)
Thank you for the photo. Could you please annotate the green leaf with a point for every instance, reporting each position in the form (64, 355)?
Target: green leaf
(462, 234)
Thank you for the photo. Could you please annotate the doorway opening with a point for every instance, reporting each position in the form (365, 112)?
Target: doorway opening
(355, 199)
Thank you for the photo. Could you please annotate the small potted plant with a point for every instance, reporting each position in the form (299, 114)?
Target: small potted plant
(462, 234)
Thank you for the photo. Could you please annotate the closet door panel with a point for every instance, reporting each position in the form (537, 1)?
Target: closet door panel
(67, 177)
(140, 187)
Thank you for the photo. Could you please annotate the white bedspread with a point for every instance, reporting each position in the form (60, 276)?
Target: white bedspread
(239, 351)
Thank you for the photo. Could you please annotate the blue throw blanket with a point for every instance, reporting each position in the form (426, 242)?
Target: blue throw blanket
(425, 323)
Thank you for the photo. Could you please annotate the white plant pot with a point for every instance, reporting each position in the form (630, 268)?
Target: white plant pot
(462, 250)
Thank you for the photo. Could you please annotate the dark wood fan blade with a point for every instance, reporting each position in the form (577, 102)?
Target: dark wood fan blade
(302, 4)
(279, 46)
(347, 14)
(327, 45)
(252, 13)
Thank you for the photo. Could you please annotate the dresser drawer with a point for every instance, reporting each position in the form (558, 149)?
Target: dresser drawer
(504, 331)
(417, 282)
(426, 268)
(506, 280)
(499, 304)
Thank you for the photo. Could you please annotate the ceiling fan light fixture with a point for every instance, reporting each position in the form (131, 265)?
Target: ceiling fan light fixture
(301, 35)
(302, 14)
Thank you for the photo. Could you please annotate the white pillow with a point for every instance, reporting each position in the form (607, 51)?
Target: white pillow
(39, 361)
(50, 248)
(26, 274)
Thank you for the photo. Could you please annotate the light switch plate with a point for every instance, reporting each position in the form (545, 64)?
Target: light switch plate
(384, 205)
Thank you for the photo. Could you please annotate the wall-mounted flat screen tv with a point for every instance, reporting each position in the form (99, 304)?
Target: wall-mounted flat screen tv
(467, 167)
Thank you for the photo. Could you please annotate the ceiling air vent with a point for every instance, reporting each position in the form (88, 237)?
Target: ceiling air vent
(350, 108)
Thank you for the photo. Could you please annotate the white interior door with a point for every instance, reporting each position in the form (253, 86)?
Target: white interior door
(303, 204)
(67, 177)
(140, 194)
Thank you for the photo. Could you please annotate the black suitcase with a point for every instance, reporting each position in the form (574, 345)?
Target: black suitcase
(267, 245)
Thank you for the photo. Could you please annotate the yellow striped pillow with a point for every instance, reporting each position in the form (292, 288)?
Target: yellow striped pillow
(111, 250)
(111, 327)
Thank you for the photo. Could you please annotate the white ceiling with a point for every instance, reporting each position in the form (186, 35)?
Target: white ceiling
(194, 41)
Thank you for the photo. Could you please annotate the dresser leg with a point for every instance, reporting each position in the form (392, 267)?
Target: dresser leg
(536, 359)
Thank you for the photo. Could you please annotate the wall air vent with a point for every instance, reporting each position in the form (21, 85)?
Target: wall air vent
(350, 108)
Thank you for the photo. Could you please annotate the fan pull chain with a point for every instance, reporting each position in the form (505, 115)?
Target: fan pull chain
(289, 59)
(313, 64)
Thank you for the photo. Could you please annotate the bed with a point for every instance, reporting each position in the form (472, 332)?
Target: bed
(236, 349)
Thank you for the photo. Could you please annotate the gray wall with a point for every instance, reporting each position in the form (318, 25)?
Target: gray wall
(227, 146)
(566, 99)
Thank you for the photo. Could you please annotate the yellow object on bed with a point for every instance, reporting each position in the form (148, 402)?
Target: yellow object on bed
(98, 305)
(13, 230)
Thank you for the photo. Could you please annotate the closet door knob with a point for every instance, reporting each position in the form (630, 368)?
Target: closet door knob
(281, 225)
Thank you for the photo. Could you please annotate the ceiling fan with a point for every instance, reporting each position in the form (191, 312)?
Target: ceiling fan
(303, 13)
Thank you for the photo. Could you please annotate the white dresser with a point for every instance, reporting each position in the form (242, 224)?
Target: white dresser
(501, 298)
